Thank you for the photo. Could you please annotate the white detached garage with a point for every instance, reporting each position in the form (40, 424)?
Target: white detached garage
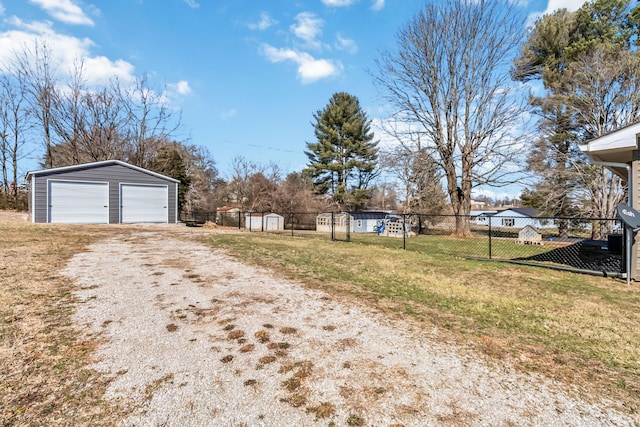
(107, 192)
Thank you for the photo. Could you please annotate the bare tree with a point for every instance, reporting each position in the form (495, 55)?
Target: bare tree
(203, 176)
(14, 123)
(296, 194)
(149, 120)
(383, 196)
(450, 87)
(253, 186)
(420, 177)
(35, 63)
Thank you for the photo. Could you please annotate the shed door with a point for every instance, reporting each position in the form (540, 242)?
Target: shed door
(78, 202)
(272, 223)
(144, 203)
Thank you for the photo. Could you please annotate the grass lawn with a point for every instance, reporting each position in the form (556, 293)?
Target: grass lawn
(43, 359)
(579, 329)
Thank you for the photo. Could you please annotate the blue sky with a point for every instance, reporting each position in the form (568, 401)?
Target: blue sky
(246, 74)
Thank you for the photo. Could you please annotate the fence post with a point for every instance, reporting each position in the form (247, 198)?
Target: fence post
(404, 232)
(490, 237)
(333, 222)
(291, 218)
(239, 218)
(348, 226)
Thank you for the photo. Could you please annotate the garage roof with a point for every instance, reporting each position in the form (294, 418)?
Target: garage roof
(102, 163)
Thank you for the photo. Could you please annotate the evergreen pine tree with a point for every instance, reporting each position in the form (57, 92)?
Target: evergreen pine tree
(343, 161)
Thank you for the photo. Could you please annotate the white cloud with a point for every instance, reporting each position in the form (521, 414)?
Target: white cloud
(182, 87)
(230, 113)
(308, 28)
(100, 69)
(552, 6)
(65, 11)
(193, 4)
(64, 52)
(346, 44)
(265, 22)
(2, 9)
(338, 3)
(309, 68)
(570, 5)
(377, 5)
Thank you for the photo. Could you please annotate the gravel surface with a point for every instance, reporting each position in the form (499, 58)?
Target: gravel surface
(192, 337)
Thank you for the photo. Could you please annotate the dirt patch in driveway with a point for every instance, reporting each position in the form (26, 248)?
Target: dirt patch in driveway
(193, 337)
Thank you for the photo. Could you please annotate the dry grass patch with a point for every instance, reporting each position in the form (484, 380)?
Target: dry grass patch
(323, 410)
(44, 378)
(247, 348)
(295, 399)
(236, 334)
(355, 420)
(288, 330)
(262, 336)
(156, 385)
(265, 360)
(278, 345)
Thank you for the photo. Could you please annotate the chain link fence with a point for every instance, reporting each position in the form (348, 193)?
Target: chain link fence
(581, 244)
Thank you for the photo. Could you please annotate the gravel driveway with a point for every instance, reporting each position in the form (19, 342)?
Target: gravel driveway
(193, 337)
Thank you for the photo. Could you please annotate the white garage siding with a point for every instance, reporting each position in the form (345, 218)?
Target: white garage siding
(73, 202)
(144, 203)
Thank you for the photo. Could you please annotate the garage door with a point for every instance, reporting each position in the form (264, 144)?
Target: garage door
(144, 203)
(78, 202)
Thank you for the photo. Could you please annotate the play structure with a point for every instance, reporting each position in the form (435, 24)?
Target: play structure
(393, 226)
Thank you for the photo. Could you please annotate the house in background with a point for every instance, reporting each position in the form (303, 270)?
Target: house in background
(481, 217)
(359, 222)
(105, 192)
(367, 221)
(259, 221)
(519, 218)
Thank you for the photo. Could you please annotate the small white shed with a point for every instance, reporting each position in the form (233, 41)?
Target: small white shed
(529, 235)
(258, 221)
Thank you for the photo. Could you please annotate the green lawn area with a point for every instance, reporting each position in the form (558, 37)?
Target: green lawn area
(580, 329)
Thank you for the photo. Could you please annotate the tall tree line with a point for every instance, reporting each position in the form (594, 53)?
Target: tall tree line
(76, 123)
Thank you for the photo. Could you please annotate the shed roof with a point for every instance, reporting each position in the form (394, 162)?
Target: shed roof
(262, 214)
(369, 215)
(98, 164)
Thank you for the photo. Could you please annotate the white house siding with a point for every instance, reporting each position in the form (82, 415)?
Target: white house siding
(512, 219)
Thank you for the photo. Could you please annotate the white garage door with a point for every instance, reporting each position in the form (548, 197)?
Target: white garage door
(79, 202)
(144, 203)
